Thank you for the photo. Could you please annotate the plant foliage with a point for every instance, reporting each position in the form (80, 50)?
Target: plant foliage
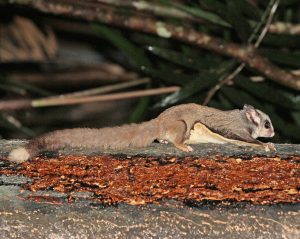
(169, 62)
(197, 70)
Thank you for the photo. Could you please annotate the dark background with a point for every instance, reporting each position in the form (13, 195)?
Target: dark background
(45, 52)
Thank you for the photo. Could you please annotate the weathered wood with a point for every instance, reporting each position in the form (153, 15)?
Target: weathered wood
(147, 175)
(48, 213)
(201, 150)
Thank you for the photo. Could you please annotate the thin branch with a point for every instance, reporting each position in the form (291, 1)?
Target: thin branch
(86, 10)
(268, 22)
(226, 80)
(77, 74)
(26, 103)
(100, 90)
(9, 105)
(230, 77)
(168, 11)
(261, 78)
(152, 8)
(108, 97)
(285, 28)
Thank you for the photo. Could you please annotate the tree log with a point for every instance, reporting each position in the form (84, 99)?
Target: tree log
(216, 190)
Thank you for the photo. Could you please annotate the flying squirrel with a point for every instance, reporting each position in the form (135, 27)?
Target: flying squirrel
(173, 125)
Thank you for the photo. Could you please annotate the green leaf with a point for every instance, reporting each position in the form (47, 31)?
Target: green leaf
(296, 117)
(182, 59)
(11, 88)
(32, 88)
(258, 27)
(136, 54)
(237, 19)
(225, 102)
(189, 89)
(250, 10)
(282, 57)
(284, 3)
(141, 38)
(140, 108)
(239, 98)
(170, 77)
(7, 122)
(204, 81)
(20, 88)
(264, 91)
(198, 12)
(282, 40)
(292, 131)
(214, 5)
(202, 58)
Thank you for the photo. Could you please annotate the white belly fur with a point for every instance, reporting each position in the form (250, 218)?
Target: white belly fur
(201, 134)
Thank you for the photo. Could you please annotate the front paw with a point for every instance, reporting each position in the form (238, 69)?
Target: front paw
(269, 147)
(183, 147)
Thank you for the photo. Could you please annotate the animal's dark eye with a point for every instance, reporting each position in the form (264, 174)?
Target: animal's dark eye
(267, 125)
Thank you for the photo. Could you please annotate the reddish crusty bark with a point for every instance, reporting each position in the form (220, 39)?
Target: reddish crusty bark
(140, 180)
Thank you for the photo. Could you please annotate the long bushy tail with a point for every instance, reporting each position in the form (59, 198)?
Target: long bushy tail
(134, 135)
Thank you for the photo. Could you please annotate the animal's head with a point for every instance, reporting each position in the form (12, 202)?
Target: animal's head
(260, 123)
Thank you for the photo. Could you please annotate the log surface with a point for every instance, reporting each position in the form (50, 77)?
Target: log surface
(30, 207)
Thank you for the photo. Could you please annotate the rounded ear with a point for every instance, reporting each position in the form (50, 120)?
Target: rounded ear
(252, 115)
(248, 107)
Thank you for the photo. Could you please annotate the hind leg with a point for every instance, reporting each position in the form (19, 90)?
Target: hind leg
(175, 133)
(163, 141)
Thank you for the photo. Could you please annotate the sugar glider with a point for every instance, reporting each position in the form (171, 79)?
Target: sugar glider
(173, 125)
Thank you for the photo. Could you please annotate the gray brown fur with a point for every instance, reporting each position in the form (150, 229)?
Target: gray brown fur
(173, 125)
(111, 137)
